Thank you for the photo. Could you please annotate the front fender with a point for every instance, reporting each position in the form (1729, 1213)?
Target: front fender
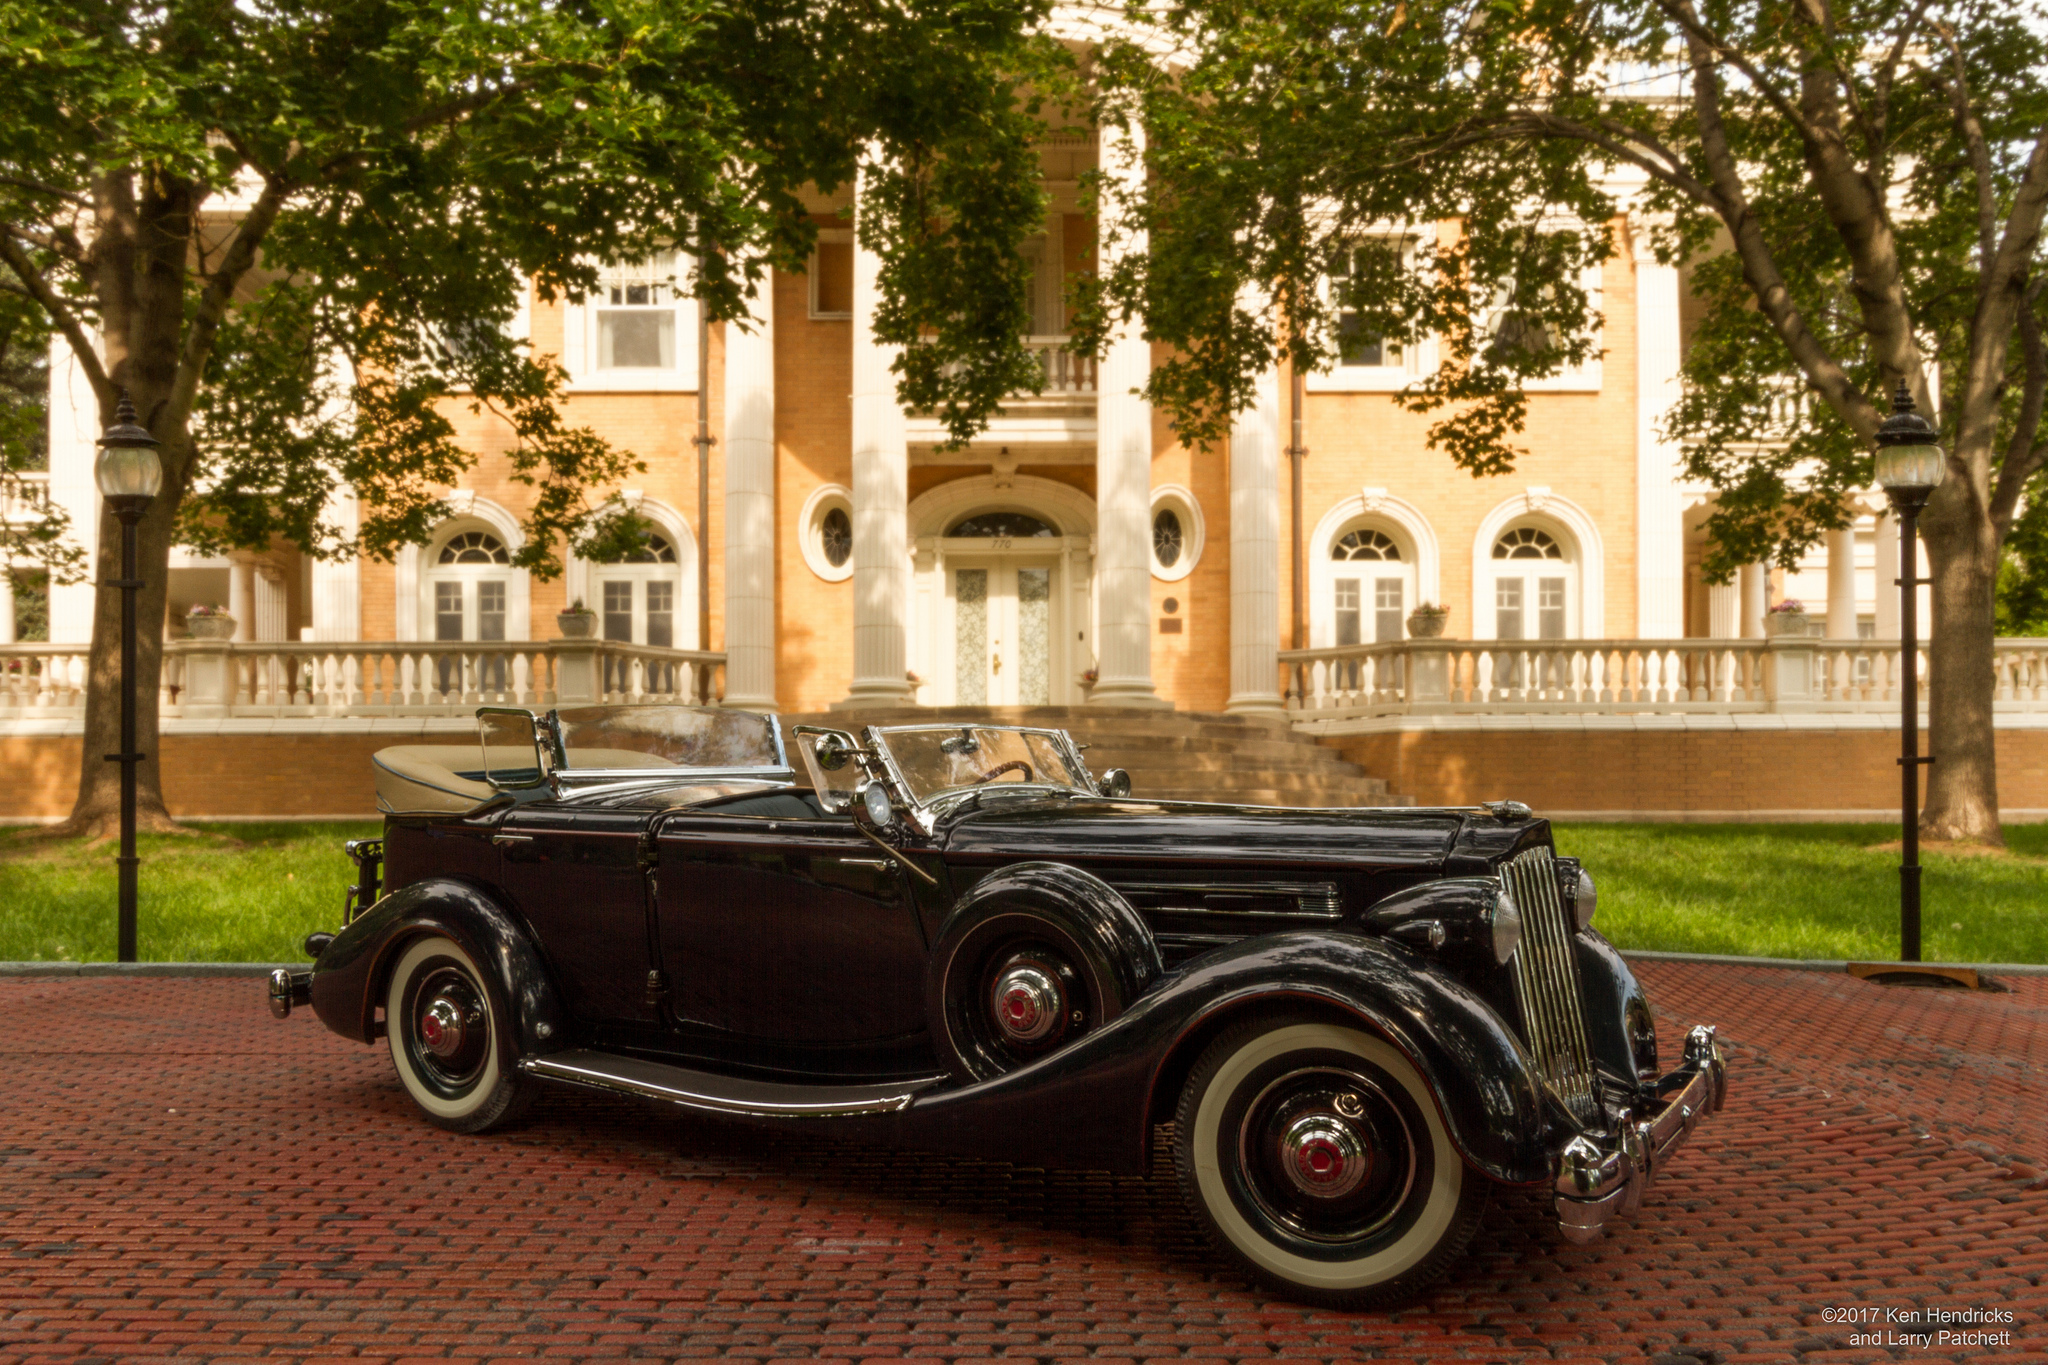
(1093, 1103)
(349, 979)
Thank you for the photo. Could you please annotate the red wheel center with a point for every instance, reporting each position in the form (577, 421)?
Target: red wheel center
(1021, 1008)
(430, 1030)
(1320, 1160)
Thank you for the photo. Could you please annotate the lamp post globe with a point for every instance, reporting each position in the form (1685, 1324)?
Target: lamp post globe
(129, 474)
(1909, 466)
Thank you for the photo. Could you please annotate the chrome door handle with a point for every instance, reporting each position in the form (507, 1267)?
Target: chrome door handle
(503, 839)
(878, 864)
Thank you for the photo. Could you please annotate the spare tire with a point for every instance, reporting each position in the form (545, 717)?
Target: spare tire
(1032, 957)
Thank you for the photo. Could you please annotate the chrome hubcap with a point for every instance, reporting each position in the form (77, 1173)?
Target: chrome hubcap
(1028, 1003)
(442, 1027)
(1323, 1156)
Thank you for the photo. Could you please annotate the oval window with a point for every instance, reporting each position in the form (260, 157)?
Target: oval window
(1166, 537)
(835, 537)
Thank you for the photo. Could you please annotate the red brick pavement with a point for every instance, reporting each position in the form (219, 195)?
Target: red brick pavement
(181, 1177)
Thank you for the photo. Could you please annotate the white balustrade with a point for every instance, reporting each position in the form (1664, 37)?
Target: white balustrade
(1067, 373)
(209, 679)
(1627, 677)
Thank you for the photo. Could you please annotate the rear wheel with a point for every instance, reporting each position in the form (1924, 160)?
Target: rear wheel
(1314, 1155)
(443, 1021)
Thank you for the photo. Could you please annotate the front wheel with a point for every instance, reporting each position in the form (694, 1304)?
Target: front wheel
(1314, 1155)
(441, 1018)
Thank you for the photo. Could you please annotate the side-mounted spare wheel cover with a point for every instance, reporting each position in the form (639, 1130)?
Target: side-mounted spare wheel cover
(1032, 957)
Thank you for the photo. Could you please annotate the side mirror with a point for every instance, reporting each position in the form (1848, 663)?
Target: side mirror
(873, 810)
(515, 758)
(1114, 782)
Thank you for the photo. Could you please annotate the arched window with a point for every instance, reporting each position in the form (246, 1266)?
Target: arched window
(1535, 586)
(1369, 586)
(637, 596)
(473, 547)
(995, 525)
(1527, 542)
(1365, 544)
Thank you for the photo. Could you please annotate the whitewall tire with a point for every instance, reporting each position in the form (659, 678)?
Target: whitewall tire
(1315, 1157)
(443, 1020)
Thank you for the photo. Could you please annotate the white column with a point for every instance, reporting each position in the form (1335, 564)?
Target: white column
(242, 596)
(750, 506)
(881, 474)
(1887, 566)
(271, 605)
(338, 583)
(6, 606)
(74, 426)
(1756, 592)
(1724, 611)
(1660, 506)
(1123, 479)
(1842, 583)
(1255, 554)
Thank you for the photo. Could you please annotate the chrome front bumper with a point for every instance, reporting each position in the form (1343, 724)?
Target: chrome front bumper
(1599, 1180)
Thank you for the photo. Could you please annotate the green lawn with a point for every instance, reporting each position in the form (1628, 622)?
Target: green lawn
(228, 893)
(250, 893)
(1813, 891)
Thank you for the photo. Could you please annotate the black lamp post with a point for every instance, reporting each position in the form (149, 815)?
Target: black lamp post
(129, 475)
(1910, 467)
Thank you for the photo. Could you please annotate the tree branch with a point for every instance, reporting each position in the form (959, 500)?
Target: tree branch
(1703, 38)
(1887, 72)
(2022, 457)
(63, 245)
(236, 262)
(54, 191)
(1759, 267)
(67, 322)
(1972, 131)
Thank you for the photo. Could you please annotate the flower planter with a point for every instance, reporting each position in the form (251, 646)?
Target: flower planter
(576, 625)
(210, 627)
(1428, 626)
(1792, 624)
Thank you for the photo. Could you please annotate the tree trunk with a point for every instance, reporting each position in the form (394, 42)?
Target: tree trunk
(1962, 782)
(97, 812)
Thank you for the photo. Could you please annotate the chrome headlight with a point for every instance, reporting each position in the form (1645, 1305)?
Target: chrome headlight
(1506, 921)
(1584, 903)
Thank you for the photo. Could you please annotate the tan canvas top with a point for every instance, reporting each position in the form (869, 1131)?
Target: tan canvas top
(418, 779)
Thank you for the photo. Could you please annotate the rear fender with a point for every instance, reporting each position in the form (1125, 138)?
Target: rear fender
(1096, 1101)
(350, 977)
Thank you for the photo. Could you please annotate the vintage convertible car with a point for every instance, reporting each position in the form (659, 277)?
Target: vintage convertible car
(1351, 1025)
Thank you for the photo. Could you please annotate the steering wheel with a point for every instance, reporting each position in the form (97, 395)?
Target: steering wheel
(1014, 765)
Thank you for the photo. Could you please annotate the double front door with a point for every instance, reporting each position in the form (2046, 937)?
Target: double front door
(1004, 619)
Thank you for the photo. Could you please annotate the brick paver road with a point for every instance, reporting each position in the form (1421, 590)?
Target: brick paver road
(180, 1176)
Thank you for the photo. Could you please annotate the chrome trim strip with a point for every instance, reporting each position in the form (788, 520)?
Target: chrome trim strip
(720, 1094)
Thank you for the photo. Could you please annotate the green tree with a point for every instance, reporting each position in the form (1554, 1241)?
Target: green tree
(1861, 184)
(294, 231)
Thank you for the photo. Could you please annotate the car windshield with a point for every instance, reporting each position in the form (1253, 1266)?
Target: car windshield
(936, 759)
(612, 738)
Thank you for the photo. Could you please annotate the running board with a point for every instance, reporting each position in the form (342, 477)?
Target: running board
(721, 1094)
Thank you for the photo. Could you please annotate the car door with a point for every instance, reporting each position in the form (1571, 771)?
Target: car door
(792, 930)
(575, 876)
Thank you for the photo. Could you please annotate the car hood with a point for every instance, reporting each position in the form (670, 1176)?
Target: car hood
(1171, 831)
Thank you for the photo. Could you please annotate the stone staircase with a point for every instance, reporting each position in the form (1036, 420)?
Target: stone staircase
(1172, 755)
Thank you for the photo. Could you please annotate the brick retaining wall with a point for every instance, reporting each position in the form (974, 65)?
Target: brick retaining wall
(1736, 772)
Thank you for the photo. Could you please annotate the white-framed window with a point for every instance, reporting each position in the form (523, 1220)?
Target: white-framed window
(1372, 587)
(637, 331)
(1366, 362)
(1535, 581)
(1177, 532)
(831, 274)
(637, 597)
(825, 531)
(1505, 323)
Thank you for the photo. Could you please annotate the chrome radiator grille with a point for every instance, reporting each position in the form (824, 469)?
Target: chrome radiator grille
(1547, 982)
